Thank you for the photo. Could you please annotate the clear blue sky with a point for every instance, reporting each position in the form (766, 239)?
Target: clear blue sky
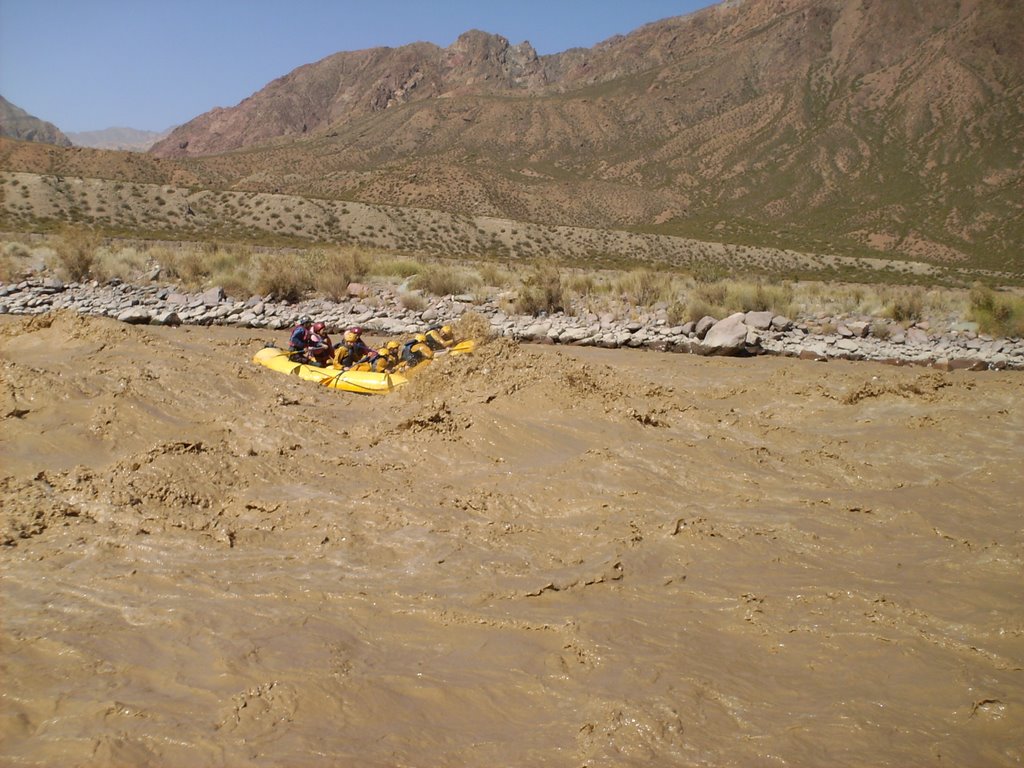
(151, 64)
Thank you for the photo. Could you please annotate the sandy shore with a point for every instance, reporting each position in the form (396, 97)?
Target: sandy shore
(530, 556)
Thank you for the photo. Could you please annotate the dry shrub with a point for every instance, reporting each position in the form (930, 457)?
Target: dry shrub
(402, 268)
(187, 266)
(231, 268)
(76, 252)
(8, 269)
(758, 297)
(583, 284)
(645, 288)
(440, 280)
(495, 276)
(905, 304)
(125, 264)
(712, 294)
(696, 308)
(541, 291)
(725, 297)
(708, 272)
(333, 270)
(286, 277)
(413, 301)
(14, 262)
(881, 330)
(998, 314)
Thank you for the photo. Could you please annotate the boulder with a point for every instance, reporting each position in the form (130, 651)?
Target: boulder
(357, 290)
(166, 318)
(135, 316)
(212, 296)
(726, 337)
(760, 321)
(703, 326)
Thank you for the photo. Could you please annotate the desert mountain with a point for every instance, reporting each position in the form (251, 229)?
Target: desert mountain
(16, 123)
(126, 139)
(855, 128)
(857, 124)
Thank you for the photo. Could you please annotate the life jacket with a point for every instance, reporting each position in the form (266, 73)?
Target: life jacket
(320, 348)
(299, 339)
(382, 362)
(438, 340)
(415, 351)
(346, 356)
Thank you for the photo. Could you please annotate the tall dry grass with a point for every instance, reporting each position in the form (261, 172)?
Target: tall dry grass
(542, 291)
(997, 313)
(445, 280)
(76, 252)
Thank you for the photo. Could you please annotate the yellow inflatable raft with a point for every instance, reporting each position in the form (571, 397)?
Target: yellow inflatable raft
(362, 382)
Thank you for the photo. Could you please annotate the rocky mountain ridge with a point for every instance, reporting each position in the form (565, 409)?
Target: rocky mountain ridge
(858, 124)
(854, 128)
(16, 123)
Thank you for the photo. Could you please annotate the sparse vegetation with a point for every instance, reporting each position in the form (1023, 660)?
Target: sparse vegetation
(542, 291)
(444, 280)
(76, 252)
(284, 276)
(333, 271)
(905, 304)
(999, 314)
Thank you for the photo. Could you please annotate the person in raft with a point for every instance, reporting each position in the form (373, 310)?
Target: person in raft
(351, 350)
(300, 339)
(320, 348)
(440, 338)
(387, 358)
(416, 351)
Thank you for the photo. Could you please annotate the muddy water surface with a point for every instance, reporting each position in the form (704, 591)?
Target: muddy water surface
(531, 556)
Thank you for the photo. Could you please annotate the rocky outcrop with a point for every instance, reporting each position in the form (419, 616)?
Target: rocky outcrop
(380, 310)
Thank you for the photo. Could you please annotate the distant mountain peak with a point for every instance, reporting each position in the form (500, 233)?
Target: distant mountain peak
(118, 138)
(16, 123)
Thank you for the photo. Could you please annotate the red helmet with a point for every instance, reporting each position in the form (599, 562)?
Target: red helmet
(318, 327)
(357, 331)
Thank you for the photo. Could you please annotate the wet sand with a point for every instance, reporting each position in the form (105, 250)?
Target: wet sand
(530, 556)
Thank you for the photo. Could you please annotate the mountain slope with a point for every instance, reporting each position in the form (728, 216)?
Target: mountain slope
(855, 125)
(16, 123)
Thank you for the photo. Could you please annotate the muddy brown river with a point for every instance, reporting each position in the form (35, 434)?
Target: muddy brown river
(531, 556)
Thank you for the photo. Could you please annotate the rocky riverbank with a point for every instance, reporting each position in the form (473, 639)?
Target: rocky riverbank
(379, 309)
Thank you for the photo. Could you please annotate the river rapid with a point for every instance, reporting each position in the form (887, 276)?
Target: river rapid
(529, 556)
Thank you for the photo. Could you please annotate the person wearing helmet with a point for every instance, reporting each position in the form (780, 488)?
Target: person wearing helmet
(441, 338)
(386, 358)
(300, 339)
(416, 350)
(351, 350)
(320, 348)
